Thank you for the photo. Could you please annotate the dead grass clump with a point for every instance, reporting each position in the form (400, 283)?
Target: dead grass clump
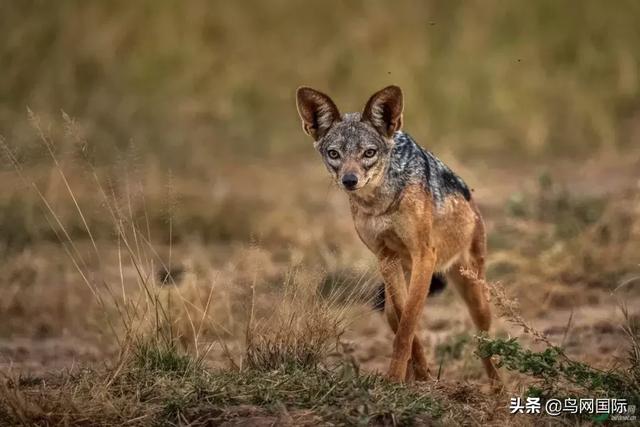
(304, 325)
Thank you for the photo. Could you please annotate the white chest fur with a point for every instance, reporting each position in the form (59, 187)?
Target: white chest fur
(372, 228)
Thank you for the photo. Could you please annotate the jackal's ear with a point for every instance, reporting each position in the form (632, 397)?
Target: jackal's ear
(317, 111)
(384, 110)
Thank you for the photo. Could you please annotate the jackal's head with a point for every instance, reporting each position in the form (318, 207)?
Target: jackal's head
(355, 147)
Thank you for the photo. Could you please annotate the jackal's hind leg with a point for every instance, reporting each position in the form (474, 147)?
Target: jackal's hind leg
(469, 281)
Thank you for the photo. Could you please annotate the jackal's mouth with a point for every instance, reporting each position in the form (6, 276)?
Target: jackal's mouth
(355, 188)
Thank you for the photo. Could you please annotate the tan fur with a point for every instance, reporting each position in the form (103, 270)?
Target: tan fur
(412, 242)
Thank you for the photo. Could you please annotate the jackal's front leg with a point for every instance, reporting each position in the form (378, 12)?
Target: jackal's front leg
(423, 262)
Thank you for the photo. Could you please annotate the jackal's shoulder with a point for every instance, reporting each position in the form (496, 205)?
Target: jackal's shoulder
(410, 163)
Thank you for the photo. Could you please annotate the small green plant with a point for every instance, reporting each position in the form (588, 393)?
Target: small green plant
(160, 358)
(556, 373)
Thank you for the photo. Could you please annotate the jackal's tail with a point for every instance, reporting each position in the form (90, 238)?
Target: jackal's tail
(438, 283)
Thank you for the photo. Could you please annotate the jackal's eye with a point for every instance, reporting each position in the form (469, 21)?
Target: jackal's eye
(370, 153)
(333, 154)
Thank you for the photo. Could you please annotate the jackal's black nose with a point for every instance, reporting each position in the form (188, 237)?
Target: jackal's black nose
(350, 181)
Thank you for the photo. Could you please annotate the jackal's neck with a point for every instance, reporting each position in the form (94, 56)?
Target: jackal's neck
(380, 200)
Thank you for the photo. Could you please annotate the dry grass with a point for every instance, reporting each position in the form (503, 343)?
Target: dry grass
(173, 252)
(161, 328)
(179, 325)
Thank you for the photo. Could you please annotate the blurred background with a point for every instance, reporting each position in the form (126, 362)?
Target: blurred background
(189, 81)
(184, 114)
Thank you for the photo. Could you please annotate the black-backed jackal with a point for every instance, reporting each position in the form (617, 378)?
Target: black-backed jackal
(409, 208)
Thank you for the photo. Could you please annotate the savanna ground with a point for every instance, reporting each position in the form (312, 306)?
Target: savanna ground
(174, 253)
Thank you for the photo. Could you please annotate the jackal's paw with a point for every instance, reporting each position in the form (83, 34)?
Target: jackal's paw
(397, 371)
(422, 374)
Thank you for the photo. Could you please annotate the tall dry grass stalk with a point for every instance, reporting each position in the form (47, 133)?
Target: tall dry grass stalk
(142, 315)
(508, 308)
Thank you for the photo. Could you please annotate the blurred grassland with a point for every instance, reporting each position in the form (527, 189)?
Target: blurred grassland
(191, 83)
(163, 139)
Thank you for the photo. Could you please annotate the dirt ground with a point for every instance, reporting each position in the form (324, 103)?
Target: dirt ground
(52, 322)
